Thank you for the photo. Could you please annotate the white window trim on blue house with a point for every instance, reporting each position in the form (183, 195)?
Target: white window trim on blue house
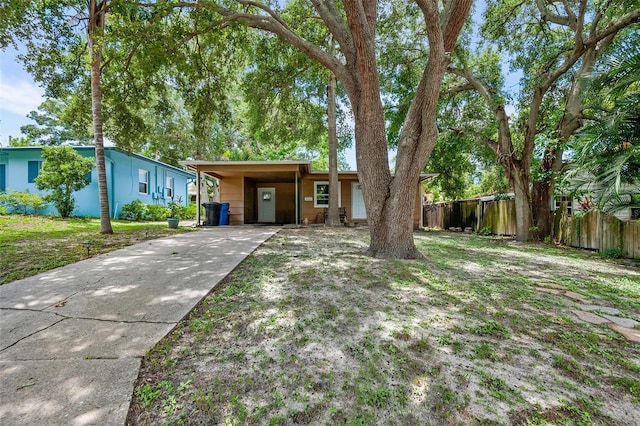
(143, 181)
(168, 187)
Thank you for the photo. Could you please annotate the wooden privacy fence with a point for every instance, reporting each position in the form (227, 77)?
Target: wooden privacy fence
(499, 217)
(598, 231)
(593, 230)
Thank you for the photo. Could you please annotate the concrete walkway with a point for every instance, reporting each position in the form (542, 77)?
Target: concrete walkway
(72, 339)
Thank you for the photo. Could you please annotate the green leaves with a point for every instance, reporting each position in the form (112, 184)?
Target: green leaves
(608, 148)
(64, 171)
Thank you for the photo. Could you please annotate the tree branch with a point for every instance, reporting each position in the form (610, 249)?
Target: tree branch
(614, 26)
(493, 145)
(337, 27)
(459, 88)
(549, 16)
(452, 21)
(579, 36)
(476, 84)
(570, 15)
(278, 27)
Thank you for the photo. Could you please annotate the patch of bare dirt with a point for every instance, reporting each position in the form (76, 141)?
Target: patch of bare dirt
(309, 330)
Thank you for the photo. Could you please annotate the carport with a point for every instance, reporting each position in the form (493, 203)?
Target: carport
(257, 191)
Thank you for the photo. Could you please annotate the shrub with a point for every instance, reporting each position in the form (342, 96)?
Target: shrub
(500, 197)
(135, 210)
(614, 253)
(21, 202)
(156, 212)
(485, 230)
(189, 212)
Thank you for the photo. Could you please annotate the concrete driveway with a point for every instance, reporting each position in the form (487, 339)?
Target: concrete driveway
(72, 339)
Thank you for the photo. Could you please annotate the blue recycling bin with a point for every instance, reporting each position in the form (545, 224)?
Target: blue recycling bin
(224, 213)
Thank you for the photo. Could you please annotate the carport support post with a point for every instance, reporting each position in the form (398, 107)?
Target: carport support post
(297, 201)
(198, 197)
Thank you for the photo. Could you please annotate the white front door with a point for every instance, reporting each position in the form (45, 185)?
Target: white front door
(358, 210)
(266, 205)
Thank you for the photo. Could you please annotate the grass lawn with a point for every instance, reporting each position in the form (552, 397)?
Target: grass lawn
(33, 244)
(308, 330)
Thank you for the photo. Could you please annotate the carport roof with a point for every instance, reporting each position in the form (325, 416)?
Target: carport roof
(270, 170)
(274, 171)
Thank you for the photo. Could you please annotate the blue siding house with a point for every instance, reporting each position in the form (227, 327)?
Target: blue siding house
(129, 177)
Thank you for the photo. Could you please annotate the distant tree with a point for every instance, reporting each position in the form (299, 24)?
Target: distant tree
(58, 122)
(64, 171)
(20, 141)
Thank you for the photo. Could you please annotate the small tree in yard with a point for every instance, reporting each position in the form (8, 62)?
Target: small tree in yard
(64, 171)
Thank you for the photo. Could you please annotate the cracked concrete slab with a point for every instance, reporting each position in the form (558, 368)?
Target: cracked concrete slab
(47, 289)
(72, 339)
(126, 298)
(67, 392)
(86, 338)
(15, 325)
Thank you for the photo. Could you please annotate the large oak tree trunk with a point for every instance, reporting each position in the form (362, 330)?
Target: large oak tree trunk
(95, 32)
(389, 205)
(542, 192)
(390, 201)
(517, 172)
(520, 181)
(541, 207)
(373, 172)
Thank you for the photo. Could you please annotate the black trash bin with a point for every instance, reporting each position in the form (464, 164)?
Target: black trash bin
(212, 211)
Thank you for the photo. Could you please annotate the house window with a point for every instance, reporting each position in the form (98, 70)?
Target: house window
(567, 200)
(143, 181)
(33, 170)
(321, 194)
(168, 187)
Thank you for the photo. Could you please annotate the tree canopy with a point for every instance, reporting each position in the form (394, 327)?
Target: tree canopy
(556, 47)
(192, 80)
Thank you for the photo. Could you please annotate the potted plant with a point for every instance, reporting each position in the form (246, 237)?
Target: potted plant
(174, 208)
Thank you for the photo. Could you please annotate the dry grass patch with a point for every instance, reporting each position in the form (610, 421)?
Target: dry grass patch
(308, 330)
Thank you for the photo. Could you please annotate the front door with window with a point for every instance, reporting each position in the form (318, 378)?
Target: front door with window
(358, 210)
(266, 205)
